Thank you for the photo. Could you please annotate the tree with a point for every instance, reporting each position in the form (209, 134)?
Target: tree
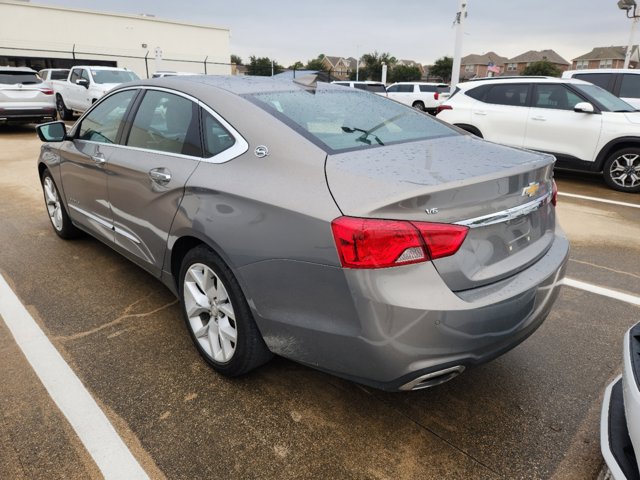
(316, 64)
(236, 59)
(442, 68)
(405, 73)
(372, 69)
(262, 66)
(543, 67)
(296, 66)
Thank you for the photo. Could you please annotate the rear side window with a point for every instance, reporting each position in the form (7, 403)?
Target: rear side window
(599, 79)
(13, 78)
(216, 138)
(404, 88)
(428, 88)
(630, 86)
(377, 88)
(59, 75)
(166, 123)
(514, 95)
(103, 122)
(478, 93)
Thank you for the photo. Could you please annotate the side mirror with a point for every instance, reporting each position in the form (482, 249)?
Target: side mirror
(583, 107)
(52, 132)
(83, 81)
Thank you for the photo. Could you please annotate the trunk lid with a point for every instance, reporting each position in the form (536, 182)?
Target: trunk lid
(503, 194)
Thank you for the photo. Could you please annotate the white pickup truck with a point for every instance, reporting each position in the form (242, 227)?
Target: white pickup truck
(85, 85)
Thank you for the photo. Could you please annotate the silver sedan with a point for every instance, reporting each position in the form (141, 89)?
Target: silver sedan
(327, 225)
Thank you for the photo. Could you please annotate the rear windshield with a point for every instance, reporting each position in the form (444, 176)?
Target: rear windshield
(113, 76)
(339, 120)
(25, 78)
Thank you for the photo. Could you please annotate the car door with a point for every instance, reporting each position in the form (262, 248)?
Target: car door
(84, 161)
(147, 174)
(554, 127)
(501, 114)
(74, 92)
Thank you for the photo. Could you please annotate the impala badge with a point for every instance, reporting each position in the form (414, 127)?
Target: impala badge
(431, 211)
(531, 190)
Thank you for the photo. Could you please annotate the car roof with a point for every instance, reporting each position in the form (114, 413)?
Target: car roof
(521, 79)
(601, 70)
(437, 84)
(17, 69)
(100, 67)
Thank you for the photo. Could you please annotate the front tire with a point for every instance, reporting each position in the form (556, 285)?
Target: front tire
(419, 106)
(622, 170)
(217, 315)
(60, 221)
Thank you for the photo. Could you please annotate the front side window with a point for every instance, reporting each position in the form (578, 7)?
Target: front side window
(103, 122)
(85, 76)
(166, 123)
(555, 96)
(346, 120)
(75, 74)
(630, 87)
(508, 94)
(405, 88)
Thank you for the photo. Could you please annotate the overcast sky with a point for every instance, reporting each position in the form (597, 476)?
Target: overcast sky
(419, 30)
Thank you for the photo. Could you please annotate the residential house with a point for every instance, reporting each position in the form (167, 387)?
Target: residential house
(411, 63)
(515, 65)
(338, 67)
(605, 57)
(477, 66)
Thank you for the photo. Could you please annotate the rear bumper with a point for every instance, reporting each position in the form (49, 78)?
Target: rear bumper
(387, 327)
(26, 114)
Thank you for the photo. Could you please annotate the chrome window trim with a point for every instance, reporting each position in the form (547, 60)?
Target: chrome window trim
(240, 147)
(506, 215)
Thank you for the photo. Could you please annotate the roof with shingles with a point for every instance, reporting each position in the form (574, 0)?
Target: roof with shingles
(333, 60)
(605, 53)
(484, 59)
(537, 56)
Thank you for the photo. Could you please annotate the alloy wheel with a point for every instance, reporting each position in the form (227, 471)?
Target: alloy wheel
(53, 203)
(625, 170)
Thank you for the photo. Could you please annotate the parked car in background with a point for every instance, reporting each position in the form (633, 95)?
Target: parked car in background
(170, 73)
(49, 74)
(620, 419)
(421, 95)
(372, 263)
(582, 125)
(622, 82)
(85, 85)
(366, 85)
(24, 98)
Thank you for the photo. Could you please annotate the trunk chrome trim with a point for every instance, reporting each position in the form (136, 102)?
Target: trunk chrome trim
(508, 214)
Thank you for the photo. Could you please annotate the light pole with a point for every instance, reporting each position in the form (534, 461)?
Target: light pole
(629, 6)
(461, 15)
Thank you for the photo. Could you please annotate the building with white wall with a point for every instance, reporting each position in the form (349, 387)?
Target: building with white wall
(43, 36)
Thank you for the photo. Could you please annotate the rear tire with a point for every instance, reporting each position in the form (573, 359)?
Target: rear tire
(63, 111)
(217, 315)
(622, 170)
(419, 106)
(60, 221)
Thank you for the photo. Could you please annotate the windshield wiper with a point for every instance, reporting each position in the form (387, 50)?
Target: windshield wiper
(365, 133)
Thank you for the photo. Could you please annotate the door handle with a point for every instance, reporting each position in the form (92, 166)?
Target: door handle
(540, 119)
(161, 176)
(99, 159)
(480, 113)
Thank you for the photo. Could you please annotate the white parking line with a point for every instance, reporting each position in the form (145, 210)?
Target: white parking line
(607, 292)
(601, 200)
(110, 453)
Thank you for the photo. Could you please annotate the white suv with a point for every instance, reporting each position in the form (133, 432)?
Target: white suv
(584, 126)
(421, 95)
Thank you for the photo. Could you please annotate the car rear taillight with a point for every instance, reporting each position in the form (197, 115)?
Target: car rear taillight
(443, 107)
(436, 96)
(47, 91)
(375, 243)
(554, 193)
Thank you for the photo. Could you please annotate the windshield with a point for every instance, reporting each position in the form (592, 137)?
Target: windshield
(607, 101)
(12, 78)
(113, 76)
(339, 120)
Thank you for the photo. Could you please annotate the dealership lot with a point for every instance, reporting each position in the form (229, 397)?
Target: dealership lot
(533, 413)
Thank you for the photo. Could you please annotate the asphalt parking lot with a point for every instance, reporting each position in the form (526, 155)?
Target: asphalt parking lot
(532, 413)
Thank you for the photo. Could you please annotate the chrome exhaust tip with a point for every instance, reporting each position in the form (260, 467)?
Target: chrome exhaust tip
(434, 378)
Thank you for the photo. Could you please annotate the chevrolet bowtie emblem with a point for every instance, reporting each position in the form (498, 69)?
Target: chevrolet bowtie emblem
(531, 190)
